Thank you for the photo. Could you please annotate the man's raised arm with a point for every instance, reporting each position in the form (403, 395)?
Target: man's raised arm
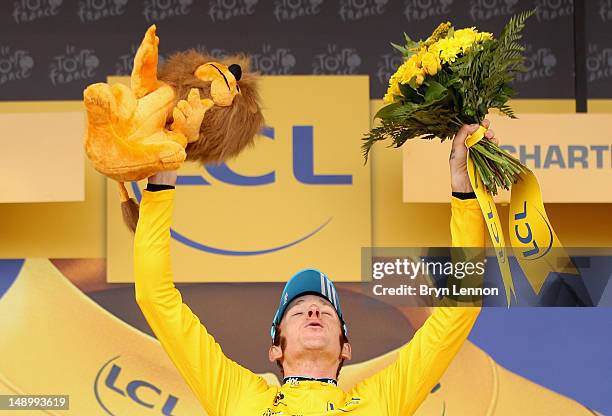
(217, 381)
(405, 384)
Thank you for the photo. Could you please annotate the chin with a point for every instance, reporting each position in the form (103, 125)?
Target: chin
(316, 342)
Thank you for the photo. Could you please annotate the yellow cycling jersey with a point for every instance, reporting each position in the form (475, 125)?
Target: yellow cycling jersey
(226, 388)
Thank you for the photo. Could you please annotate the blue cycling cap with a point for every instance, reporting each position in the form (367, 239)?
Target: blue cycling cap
(307, 282)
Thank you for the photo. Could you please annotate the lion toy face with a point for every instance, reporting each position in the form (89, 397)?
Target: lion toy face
(223, 81)
(235, 119)
(196, 109)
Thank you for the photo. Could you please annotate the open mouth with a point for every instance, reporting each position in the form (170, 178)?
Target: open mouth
(314, 325)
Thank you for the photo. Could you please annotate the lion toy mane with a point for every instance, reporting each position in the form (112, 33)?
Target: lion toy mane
(195, 109)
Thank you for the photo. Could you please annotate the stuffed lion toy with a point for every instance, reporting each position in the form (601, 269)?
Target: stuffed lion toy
(195, 109)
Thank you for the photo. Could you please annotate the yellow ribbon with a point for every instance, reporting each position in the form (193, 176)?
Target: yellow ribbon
(533, 240)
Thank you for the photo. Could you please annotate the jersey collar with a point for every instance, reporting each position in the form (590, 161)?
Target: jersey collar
(297, 379)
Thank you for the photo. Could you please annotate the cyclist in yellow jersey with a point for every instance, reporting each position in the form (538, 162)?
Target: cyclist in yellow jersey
(308, 330)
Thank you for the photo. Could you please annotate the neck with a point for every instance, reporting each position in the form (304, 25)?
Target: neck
(315, 366)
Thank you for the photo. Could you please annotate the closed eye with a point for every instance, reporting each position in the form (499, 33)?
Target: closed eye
(223, 75)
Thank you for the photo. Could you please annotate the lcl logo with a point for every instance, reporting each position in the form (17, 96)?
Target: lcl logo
(113, 386)
(303, 170)
(523, 230)
(303, 166)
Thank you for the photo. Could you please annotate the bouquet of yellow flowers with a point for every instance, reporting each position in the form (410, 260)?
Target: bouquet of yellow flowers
(453, 78)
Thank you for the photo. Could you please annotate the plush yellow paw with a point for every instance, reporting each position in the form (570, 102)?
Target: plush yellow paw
(116, 142)
(172, 156)
(100, 103)
(188, 115)
(144, 74)
(109, 104)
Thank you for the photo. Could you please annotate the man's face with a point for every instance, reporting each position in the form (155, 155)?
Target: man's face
(311, 324)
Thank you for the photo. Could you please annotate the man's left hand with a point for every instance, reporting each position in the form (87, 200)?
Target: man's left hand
(460, 181)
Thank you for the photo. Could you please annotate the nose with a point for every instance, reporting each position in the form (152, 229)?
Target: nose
(236, 71)
(313, 312)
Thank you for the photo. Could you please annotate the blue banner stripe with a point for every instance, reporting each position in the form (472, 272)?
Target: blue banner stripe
(9, 269)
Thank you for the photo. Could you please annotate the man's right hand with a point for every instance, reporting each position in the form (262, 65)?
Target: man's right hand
(166, 177)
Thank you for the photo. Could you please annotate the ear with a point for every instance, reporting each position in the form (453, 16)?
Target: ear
(346, 352)
(275, 353)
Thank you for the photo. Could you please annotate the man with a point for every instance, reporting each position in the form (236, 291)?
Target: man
(308, 330)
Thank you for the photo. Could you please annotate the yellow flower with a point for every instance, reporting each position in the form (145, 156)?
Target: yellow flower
(440, 32)
(412, 68)
(420, 77)
(448, 49)
(395, 89)
(465, 38)
(431, 63)
(392, 91)
(409, 69)
(435, 49)
(467, 33)
(482, 36)
(428, 58)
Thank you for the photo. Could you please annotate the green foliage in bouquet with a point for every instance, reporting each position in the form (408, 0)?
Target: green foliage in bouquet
(454, 78)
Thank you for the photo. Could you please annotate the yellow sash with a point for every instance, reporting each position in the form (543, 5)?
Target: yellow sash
(532, 237)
